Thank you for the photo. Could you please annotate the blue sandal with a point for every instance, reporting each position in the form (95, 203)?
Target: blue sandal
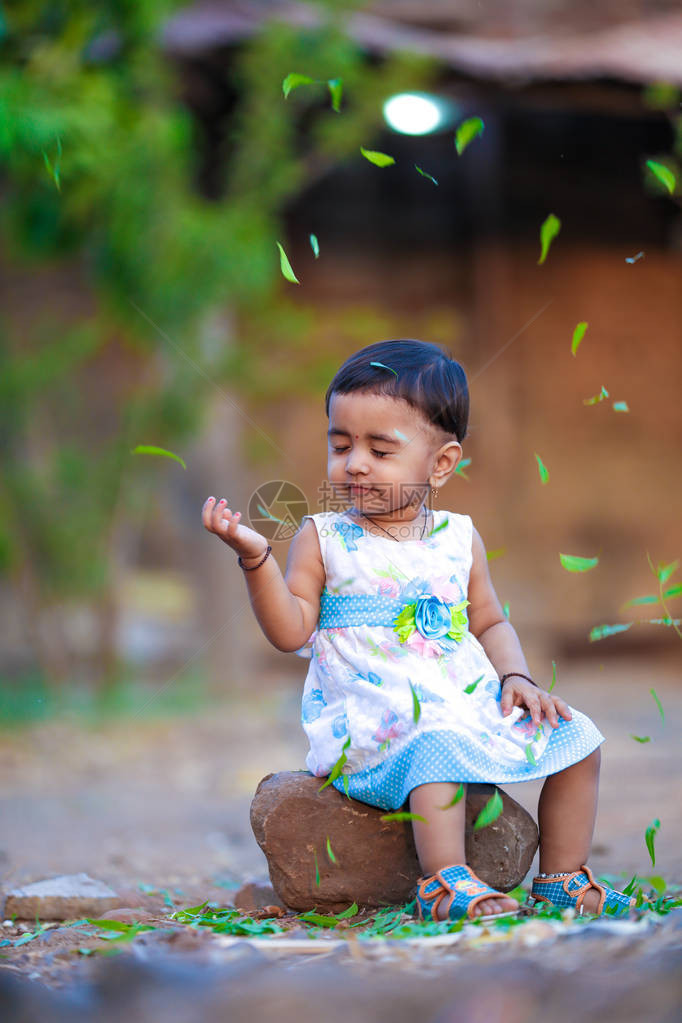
(570, 889)
(463, 890)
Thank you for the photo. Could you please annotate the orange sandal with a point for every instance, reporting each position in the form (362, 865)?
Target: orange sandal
(463, 889)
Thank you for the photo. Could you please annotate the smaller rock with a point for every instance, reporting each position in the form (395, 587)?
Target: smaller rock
(67, 897)
(253, 896)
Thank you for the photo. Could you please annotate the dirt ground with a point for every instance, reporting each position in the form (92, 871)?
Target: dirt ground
(166, 802)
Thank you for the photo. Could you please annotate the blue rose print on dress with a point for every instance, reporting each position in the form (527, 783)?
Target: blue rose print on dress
(313, 704)
(348, 534)
(425, 695)
(371, 676)
(339, 726)
(416, 588)
(390, 727)
(432, 617)
(493, 687)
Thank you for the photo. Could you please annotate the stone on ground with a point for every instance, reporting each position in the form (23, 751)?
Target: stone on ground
(376, 862)
(67, 897)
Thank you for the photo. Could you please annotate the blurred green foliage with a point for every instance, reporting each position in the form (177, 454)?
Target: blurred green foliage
(124, 265)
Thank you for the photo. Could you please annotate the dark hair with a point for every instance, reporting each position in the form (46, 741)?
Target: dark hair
(427, 378)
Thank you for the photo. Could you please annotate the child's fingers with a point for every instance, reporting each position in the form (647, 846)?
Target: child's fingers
(207, 512)
(507, 700)
(550, 710)
(563, 708)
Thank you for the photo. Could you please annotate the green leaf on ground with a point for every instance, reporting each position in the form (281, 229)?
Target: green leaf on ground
(378, 159)
(285, 266)
(578, 335)
(548, 232)
(402, 815)
(466, 132)
(149, 449)
(574, 563)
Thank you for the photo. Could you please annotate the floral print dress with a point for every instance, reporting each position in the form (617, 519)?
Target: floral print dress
(399, 692)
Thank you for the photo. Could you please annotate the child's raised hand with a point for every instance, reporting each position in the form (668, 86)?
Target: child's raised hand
(218, 519)
(516, 692)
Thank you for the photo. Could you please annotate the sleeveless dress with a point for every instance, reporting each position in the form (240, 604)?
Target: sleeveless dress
(399, 692)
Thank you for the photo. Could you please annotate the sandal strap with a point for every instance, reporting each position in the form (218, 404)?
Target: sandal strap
(456, 883)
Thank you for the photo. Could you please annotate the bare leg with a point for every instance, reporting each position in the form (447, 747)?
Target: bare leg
(440, 841)
(567, 810)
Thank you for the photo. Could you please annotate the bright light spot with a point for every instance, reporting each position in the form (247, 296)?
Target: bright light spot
(414, 113)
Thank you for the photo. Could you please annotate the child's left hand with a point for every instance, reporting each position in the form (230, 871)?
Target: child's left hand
(516, 692)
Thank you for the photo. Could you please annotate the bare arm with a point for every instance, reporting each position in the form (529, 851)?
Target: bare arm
(287, 608)
(498, 638)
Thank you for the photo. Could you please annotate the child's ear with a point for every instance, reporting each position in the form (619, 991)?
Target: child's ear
(447, 460)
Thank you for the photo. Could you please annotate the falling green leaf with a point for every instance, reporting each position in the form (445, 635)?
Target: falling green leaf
(597, 397)
(650, 598)
(497, 553)
(315, 245)
(402, 816)
(384, 367)
(663, 174)
(466, 132)
(600, 631)
(461, 466)
(505, 610)
(640, 738)
(455, 799)
(293, 80)
(425, 175)
(338, 766)
(285, 266)
(548, 232)
(317, 869)
(665, 571)
(673, 591)
(542, 469)
(574, 563)
(490, 812)
(148, 449)
(344, 779)
(335, 86)
(416, 705)
(378, 159)
(649, 836)
(54, 171)
(330, 853)
(399, 434)
(530, 756)
(633, 259)
(437, 529)
(620, 406)
(578, 335)
(553, 677)
(472, 687)
(658, 704)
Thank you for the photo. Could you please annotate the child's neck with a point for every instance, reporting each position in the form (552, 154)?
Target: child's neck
(407, 523)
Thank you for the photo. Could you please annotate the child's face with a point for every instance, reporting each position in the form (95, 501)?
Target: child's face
(383, 454)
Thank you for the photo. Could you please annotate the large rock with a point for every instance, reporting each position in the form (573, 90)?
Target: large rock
(376, 861)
